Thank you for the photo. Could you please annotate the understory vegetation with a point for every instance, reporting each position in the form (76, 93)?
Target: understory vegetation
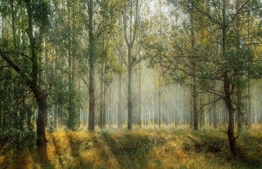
(139, 148)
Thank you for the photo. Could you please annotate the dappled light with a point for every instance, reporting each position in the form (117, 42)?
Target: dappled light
(140, 148)
(130, 84)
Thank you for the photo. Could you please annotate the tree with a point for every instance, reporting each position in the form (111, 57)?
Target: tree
(226, 67)
(101, 19)
(37, 17)
(131, 24)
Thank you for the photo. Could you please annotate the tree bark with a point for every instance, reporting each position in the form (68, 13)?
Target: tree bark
(239, 90)
(159, 99)
(227, 91)
(120, 99)
(239, 108)
(230, 131)
(194, 80)
(102, 99)
(91, 118)
(129, 90)
(40, 97)
(139, 103)
(249, 107)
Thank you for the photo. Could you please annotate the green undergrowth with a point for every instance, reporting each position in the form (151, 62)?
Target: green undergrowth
(140, 148)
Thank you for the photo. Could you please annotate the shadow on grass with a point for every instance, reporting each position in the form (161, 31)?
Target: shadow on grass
(57, 152)
(250, 150)
(130, 149)
(248, 147)
(202, 141)
(42, 158)
(75, 146)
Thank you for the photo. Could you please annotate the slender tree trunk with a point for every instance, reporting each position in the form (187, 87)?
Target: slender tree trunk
(147, 105)
(91, 118)
(102, 99)
(194, 80)
(73, 119)
(1, 96)
(239, 108)
(191, 113)
(129, 90)
(249, 103)
(130, 39)
(249, 107)
(159, 100)
(110, 106)
(201, 112)
(239, 90)
(139, 93)
(215, 121)
(120, 99)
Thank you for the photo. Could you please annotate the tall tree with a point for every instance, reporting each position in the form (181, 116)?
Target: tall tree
(91, 58)
(131, 23)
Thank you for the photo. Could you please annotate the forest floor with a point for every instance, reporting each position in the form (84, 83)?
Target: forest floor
(140, 148)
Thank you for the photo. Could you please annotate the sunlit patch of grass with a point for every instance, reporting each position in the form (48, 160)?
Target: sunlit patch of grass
(1, 159)
(257, 127)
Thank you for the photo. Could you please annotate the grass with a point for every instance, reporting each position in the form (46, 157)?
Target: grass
(140, 148)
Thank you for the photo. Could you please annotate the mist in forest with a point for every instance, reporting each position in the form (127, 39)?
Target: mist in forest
(125, 83)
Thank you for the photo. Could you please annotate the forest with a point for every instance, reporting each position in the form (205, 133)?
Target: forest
(130, 84)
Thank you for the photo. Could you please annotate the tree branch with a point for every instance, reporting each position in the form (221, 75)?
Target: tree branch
(9, 61)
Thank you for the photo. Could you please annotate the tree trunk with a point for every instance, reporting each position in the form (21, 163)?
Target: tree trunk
(102, 99)
(110, 106)
(239, 90)
(159, 99)
(91, 118)
(239, 108)
(215, 118)
(195, 109)
(129, 91)
(40, 97)
(139, 103)
(249, 110)
(249, 103)
(215, 115)
(227, 92)
(1, 96)
(201, 112)
(194, 82)
(230, 131)
(120, 99)
(191, 113)
(130, 39)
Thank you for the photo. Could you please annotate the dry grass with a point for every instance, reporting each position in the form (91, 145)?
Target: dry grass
(140, 148)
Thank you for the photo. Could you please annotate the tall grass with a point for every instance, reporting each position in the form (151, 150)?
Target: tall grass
(140, 148)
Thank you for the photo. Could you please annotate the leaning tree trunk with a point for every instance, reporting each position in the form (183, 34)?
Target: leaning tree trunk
(40, 97)
(229, 104)
(227, 92)
(39, 94)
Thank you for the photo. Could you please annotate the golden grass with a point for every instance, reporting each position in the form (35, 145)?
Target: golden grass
(140, 148)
